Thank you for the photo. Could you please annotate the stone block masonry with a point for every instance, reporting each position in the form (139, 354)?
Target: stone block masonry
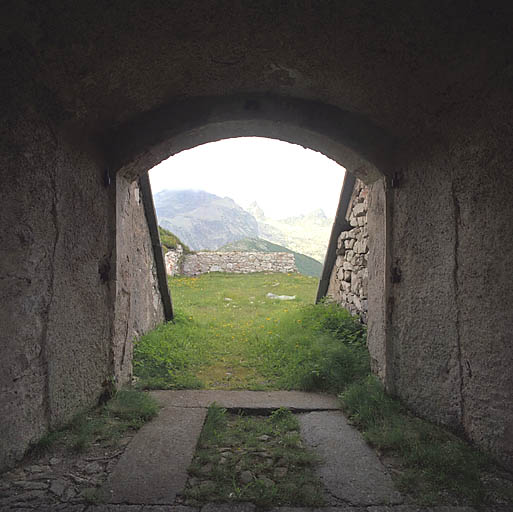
(231, 262)
(349, 278)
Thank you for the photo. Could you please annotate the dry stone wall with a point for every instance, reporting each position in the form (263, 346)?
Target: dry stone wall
(349, 278)
(231, 262)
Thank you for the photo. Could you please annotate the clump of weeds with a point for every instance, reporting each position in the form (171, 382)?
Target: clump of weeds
(431, 464)
(127, 411)
(260, 459)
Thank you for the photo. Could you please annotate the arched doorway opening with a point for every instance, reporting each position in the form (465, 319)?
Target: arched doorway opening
(363, 149)
(240, 206)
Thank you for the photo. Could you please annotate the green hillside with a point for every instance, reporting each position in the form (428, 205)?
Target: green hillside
(169, 241)
(305, 265)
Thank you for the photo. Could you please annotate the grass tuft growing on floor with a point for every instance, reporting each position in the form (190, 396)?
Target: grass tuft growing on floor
(132, 407)
(436, 465)
(259, 459)
(127, 410)
(215, 423)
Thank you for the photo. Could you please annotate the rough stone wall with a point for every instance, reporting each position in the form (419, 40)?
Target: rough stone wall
(237, 262)
(449, 303)
(138, 301)
(377, 292)
(56, 285)
(349, 278)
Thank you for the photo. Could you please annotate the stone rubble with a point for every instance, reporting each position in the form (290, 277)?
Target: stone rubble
(349, 277)
(64, 481)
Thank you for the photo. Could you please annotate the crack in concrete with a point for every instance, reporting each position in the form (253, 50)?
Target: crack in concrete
(46, 325)
(457, 221)
(127, 330)
(335, 500)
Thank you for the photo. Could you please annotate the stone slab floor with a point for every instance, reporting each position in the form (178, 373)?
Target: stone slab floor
(150, 472)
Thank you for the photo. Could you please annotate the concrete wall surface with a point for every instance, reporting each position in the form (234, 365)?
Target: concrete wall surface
(139, 305)
(69, 310)
(57, 283)
(378, 278)
(79, 284)
(452, 241)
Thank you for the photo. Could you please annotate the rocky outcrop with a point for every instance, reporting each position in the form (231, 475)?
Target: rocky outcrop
(349, 278)
(232, 262)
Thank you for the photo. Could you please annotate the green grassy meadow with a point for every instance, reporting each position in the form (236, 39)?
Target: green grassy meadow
(228, 334)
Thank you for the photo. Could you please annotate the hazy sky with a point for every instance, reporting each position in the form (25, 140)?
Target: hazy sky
(284, 179)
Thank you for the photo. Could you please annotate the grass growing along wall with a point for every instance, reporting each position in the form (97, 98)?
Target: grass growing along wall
(319, 347)
(127, 410)
(434, 463)
(164, 358)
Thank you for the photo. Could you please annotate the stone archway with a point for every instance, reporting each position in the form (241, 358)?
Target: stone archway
(346, 137)
(363, 149)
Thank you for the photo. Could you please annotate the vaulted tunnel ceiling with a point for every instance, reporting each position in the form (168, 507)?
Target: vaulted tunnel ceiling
(408, 67)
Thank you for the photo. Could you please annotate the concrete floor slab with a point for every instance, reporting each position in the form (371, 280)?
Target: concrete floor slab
(351, 471)
(294, 400)
(153, 469)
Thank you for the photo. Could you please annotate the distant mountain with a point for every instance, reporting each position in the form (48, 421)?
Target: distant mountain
(317, 217)
(206, 221)
(305, 265)
(203, 220)
(308, 234)
(256, 211)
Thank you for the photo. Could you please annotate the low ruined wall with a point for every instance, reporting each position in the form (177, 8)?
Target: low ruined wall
(349, 278)
(231, 262)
